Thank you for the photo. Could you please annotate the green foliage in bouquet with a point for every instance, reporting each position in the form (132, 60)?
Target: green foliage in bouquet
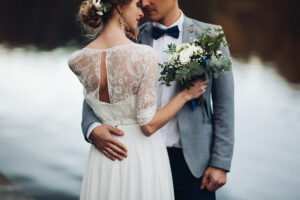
(199, 59)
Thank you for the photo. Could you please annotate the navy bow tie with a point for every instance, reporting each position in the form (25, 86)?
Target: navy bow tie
(158, 32)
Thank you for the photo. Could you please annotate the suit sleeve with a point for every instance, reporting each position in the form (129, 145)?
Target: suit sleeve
(88, 118)
(223, 119)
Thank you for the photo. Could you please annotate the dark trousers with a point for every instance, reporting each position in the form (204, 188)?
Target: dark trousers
(186, 186)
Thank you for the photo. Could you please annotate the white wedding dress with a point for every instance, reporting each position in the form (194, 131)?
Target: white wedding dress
(132, 73)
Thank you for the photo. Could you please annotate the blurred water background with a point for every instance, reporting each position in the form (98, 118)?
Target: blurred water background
(41, 145)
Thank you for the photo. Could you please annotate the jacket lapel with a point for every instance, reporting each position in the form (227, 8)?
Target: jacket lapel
(146, 35)
(188, 30)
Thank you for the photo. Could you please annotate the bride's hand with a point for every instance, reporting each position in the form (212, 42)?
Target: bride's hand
(195, 91)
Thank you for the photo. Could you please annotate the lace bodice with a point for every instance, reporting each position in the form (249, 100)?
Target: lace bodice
(131, 70)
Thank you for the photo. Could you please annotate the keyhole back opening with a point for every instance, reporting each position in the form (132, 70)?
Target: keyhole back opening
(103, 91)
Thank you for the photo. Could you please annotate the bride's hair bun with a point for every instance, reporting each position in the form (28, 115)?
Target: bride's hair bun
(88, 15)
(93, 19)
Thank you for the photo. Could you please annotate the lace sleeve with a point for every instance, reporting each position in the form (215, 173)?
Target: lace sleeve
(84, 66)
(147, 93)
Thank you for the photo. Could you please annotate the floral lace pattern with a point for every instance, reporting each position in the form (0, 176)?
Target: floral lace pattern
(131, 70)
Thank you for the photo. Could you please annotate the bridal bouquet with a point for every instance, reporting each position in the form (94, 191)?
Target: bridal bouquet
(201, 58)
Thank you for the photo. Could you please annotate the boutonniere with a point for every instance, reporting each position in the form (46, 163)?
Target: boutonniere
(191, 30)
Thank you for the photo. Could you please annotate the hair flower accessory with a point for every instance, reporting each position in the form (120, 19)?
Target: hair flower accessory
(101, 7)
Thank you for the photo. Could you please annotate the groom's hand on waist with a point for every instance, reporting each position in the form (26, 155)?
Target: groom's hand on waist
(102, 138)
(213, 179)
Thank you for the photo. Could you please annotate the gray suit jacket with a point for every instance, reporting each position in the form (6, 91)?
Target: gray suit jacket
(207, 134)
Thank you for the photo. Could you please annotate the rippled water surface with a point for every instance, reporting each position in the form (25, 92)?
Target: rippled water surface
(42, 148)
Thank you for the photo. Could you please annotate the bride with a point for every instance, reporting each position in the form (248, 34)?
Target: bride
(120, 81)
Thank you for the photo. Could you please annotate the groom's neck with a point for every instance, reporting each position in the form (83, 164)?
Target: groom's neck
(171, 17)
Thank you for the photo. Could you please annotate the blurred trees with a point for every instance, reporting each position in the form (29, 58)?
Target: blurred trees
(46, 24)
(267, 28)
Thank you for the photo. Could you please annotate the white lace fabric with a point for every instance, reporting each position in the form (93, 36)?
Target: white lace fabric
(131, 70)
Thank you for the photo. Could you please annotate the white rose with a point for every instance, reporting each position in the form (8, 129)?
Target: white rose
(187, 45)
(184, 57)
(194, 50)
(219, 53)
(200, 50)
(188, 52)
(171, 57)
(215, 35)
(178, 48)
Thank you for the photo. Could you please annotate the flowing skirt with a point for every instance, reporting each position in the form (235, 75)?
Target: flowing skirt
(144, 175)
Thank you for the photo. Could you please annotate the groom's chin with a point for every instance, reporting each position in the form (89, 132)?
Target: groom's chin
(151, 15)
(152, 18)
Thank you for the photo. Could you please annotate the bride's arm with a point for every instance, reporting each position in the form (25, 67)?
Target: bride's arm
(148, 118)
(166, 113)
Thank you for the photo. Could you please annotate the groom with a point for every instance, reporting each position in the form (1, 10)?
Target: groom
(200, 142)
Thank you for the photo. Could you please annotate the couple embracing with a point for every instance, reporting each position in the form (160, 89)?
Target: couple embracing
(147, 141)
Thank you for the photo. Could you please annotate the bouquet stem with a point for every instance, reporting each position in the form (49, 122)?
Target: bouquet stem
(198, 102)
(201, 100)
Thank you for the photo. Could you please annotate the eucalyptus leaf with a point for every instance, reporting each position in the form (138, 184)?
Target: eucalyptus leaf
(198, 67)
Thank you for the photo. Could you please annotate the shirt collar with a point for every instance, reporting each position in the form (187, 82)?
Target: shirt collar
(179, 23)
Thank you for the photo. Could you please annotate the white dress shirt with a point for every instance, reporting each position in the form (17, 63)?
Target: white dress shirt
(165, 94)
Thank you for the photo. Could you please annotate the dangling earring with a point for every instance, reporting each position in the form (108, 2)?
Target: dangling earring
(122, 21)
